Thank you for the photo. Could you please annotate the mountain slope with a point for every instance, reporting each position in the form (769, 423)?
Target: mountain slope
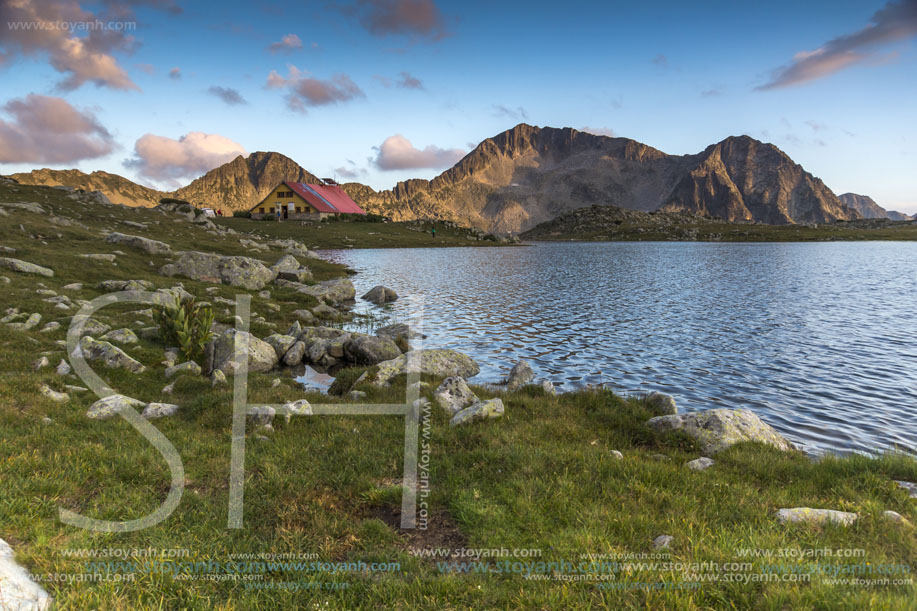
(244, 181)
(864, 204)
(528, 175)
(119, 190)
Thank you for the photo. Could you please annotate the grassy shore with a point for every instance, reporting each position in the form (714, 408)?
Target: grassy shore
(541, 482)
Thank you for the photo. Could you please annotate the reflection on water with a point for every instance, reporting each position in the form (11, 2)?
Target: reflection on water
(818, 339)
(312, 379)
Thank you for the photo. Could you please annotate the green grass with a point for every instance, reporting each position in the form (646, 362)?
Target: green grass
(542, 477)
(333, 235)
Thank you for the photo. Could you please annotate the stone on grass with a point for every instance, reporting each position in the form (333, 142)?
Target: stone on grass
(261, 415)
(30, 323)
(41, 363)
(717, 429)
(189, 367)
(111, 405)
(296, 408)
(380, 295)
(454, 395)
(59, 397)
(73, 286)
(663, 542)
(520, 375)
(369, 349)
(617, 454)
(146, 245)
(440, 363)
(107, 354)
(159, 410)
(909, 486)
(24, 267)
(261, 355)
(661, 404)
(51, 326)
(339, 290)
(699, 464)
(482, 410)
(217, 378)
(122, 336)
(243, 272)
(548, 387)
(280, 343)
(295, 354)
(894, 516)
(808, 515)
(17, 590)
(63, 368)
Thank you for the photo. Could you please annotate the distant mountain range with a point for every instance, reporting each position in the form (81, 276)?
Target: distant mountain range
(869, 209)
(527, 175)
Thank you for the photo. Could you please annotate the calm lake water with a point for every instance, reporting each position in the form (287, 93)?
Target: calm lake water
(818, 339)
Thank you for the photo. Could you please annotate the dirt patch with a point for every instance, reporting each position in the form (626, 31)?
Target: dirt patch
(440, 541)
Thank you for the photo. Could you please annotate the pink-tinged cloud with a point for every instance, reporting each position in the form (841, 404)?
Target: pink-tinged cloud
(397, 153)
(287, 44)
(46, 129)
(167, 159)
(33, 28)
(304, 91)
(599, 131)
(399, 17)
(894, 22)
(175, 73)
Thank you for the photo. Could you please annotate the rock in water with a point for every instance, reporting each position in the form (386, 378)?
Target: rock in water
(661, 404)
(717, 429)
(453, 395)
(243, 272)
(520, 375)
(150, 247)
(369, 350)
(815, 516)
(482, 410)
(24, 267)
(438, 362)
(380, 295)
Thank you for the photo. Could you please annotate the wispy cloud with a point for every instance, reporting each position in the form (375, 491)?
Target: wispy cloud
(46, 129)
(416, 18)
(516, 114)
(405, 81)
(599, 131)
(287, 44)
(305, 91)
(175, 74)
(397, 153)
(661, 60)
(229, 95)
(894, 22)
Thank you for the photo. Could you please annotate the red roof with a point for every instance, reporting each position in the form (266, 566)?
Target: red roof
(326, 198)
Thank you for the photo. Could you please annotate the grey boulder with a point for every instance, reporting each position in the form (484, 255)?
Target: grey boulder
(243, 272)
(454, 395)
(380, 295)
(717, 429)
(146, 245)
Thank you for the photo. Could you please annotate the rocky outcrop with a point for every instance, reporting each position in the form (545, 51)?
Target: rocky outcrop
(717, 429)
(117, 189)
(145, 245)
(261, 355)
(243, 272)
(865, 205)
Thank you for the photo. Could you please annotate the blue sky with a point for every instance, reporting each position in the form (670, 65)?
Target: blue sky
(383, 90)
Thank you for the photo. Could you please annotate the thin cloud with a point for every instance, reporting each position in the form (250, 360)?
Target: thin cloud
(816, 126)
(516, 114)
(397, 153)
(661, 60)
(350, 172)
(305, 91)
(46, 129)
(599, 131)
(228, 95)
(405, 81)
(711, 93)
(894, 22)
(287, 44)
(166, 159)
(175, 74)
(416, 18)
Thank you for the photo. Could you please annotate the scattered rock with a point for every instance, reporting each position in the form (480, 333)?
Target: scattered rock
(51, 326)
(909, 486)
(482, 410)
(661, 404)
(30, 323)
(717, 429)
(617, 454)
(41, 363)
(815, 516)
(520, 375)
(700, 464)
(369, 350)
(356, 395)
(59, 397)
(548, 387)
(110, 406)
(261, 355)
(894, 516)
(159, 410)
(261, 414)
(110, 286)
(280, 343)
(440, 363)
(189, 367)
(24, 267)
(304, 315)
(63, 368)
(454, 395)
(217, 378)
(122, 336)
(73, 286)
(107, 258)
(109, 355)
(243, 272)
(17, 590)
(398, 331)
(325, 311)
(663, 542)
(93, 327)
(295, 354)
(146, 245)
(339, 290)
(296, 408)
(380, 295)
